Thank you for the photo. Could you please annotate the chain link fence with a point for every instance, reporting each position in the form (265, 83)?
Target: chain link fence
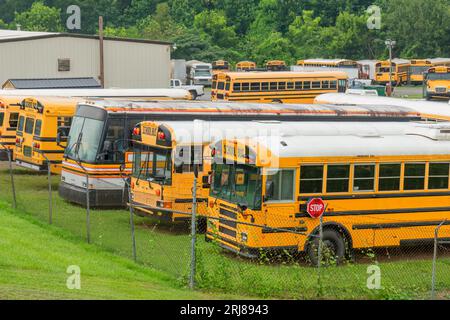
(205, 254)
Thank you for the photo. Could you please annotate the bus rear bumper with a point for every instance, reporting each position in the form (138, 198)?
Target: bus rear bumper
(35, 167)
(113, 198)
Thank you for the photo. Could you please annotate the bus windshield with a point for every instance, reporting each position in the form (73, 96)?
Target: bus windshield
(84, 138)
(418, 70)
(152, 165)
(438, 76)
(236, 183)
(202, 73)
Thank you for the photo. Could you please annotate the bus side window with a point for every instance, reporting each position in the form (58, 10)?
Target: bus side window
(311, 179)
(306, 85)
(389, 179)
(364, 178)
(227, 86)
(414, 176)
(325, 84)
(13, 121)
(29, 125)
(333, 84)
(438, 176)
(37, 128)
(273, 86)
(298, 85)
(256, 86)
(246, 86)
(265, 86)
(316, 85)
(2, 117)
(338, 178)
(237, 87)
(21, 123)
(283, 184)
(290, 86)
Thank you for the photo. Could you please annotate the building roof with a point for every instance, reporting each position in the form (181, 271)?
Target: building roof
(55, 83)
(13, 36)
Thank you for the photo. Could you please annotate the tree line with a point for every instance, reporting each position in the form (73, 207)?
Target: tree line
(257, 30)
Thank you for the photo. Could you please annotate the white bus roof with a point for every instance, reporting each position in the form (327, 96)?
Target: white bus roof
(325, 111)
(419, 139)
(427, 109)
(102, 93)
(199, 131)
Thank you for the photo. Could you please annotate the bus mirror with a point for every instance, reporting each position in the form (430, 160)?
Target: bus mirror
(107, 146)
(270, 188)
(179, 167)
(61, 135)
(196, 170)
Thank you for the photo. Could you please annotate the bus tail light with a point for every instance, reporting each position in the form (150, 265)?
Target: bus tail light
(158, 192)
(136, 131)
(161, 135)
(36, 145)
(211, 204)
(164, 204)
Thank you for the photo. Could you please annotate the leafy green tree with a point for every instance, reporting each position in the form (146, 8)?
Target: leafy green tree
(39, 18)
(274, 46)
(212, 25)
(420, 27)
(306, 34)
(3, 24)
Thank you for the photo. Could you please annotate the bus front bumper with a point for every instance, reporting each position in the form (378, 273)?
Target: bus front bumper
(113, 198)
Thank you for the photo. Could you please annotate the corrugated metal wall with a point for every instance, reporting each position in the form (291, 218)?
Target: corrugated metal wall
(127, 64)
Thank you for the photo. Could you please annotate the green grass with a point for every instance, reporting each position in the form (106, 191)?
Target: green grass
(166, 248)
(34, 258)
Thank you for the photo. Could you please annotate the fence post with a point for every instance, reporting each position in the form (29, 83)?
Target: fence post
(193, 230)
(133, 237)
(433, 275)
(50, 202)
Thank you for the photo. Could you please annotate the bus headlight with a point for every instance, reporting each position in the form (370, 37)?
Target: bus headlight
(244, 237)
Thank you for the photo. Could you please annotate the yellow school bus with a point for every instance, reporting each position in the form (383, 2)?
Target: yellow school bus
(276, 65)
(381, 190)
(165, 156)
(220, 66)
(399, 67)
(328, 63)
(280, 87)
(437, 83)
(44, 124)
(245, 66)
(420, 66)
(9, 118)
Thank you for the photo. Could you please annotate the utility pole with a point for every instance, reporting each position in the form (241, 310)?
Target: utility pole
(102, 55)
(390, 44)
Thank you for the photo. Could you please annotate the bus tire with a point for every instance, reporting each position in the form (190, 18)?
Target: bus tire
(277, 101)
(194, 94)
(334, 248)
(428, 97)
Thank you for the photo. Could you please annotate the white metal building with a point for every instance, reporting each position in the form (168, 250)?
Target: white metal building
(128, 63)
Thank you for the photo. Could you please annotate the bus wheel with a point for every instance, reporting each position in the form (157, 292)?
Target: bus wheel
(333, 248)
(277, 101)
(428, 97)
(194, 94)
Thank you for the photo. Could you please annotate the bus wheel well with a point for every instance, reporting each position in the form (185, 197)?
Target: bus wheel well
(340, 229)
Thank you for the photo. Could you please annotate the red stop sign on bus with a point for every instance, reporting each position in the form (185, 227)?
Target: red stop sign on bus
(315, 208)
